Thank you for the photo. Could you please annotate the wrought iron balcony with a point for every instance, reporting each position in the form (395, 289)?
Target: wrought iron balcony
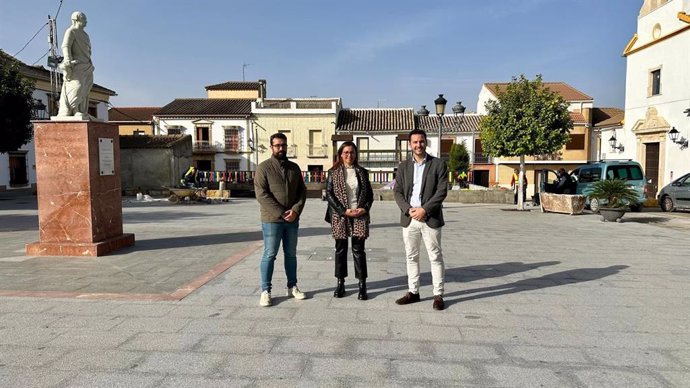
(482, 158)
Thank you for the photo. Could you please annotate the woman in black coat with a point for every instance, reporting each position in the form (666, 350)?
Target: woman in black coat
(349, 196)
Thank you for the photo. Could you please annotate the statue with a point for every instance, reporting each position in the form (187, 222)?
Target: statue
(77, 71)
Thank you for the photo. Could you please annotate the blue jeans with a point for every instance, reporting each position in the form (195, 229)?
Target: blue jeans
(274, 233)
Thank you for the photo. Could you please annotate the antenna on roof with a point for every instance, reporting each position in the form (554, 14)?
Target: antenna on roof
(244, 65)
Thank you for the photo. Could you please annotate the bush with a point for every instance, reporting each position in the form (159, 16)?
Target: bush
(615, 192)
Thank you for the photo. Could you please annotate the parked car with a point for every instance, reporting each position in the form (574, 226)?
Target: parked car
(627, 170)
(675, 195)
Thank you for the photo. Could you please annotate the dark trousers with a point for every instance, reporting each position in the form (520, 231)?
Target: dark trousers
(359, 256)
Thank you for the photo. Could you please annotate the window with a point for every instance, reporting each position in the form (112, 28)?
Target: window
(655, 82)
(138, 132)
(591, 174)
(577, 142)
(232, 164)
(203, 139)
(232, 139)
(625, 173)
(316, 146)
(174, 130)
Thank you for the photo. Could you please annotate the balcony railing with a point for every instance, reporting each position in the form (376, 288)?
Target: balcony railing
(318, 150)
(205, 146)
(381, 158)
(480, 157)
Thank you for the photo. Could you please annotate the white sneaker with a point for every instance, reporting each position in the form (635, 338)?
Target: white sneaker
(265, 300)
(294, 291)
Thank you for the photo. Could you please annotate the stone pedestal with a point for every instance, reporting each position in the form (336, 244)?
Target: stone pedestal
(79, 204)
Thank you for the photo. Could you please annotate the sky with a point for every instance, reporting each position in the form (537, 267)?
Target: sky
(370, 53)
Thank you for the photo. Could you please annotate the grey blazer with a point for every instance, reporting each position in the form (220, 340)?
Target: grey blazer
(434, 190)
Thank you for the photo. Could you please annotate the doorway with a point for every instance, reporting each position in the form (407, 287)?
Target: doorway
(651, 169)
(19, 174)
(480, 177)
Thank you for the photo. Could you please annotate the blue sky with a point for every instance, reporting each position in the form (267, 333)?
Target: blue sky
(368, 52)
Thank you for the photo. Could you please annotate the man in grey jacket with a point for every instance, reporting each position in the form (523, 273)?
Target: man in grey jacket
(421, 185)
(281, 193)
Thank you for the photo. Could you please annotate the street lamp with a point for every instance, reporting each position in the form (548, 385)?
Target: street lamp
(459, 110)
(612, 143)
(673, 134)
(440, 103)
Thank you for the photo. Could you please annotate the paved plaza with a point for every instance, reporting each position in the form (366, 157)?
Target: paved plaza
(533, 299)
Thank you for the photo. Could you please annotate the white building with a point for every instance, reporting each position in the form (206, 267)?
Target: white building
(657, 90)
(218, 127)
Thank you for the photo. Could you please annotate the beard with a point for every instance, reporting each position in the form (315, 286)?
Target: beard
(280, 155)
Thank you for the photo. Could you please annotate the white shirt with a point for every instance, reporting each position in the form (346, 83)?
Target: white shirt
(351, 186)
(416, 199)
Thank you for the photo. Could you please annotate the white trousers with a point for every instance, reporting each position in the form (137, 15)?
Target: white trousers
(412, 237)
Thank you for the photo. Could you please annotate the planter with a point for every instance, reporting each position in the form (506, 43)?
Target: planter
(611, 214)
(562, 203)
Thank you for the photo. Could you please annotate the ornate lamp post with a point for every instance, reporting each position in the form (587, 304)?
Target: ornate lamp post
(459, 110)
(440, 103)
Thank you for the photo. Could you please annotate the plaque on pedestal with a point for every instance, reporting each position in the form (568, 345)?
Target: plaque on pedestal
(79, 202)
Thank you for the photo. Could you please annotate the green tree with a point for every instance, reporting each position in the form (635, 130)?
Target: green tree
(459, 158)
(16, 105)
(526, 119)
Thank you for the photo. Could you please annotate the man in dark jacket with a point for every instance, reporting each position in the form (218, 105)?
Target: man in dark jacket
(281, 193)
(565, 184)
(421, 185)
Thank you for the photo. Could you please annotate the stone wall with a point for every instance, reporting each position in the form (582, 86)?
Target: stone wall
(147, 170)
(461, 196)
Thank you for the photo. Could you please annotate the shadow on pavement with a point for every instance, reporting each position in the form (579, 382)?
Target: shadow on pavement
(460, 274)
(211, 239)
(550, 280)
(17, 222)
(158, 216)
(645, 220)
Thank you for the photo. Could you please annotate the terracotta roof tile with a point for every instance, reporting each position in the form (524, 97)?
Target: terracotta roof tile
(207, 107)
(568, 92)
(132, 113)
(147, 141)
(235, 85)
(376, 120)
(451, 123)
(578, 118)
(607, 117)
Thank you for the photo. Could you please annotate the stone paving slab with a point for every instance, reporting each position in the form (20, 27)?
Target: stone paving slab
(534, 299)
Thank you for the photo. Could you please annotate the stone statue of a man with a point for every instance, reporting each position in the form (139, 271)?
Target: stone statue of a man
(77, 70)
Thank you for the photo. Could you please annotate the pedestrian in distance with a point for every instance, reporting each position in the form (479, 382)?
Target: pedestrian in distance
(349, 196)
(421, 185)
(281, 193)
(514, 183)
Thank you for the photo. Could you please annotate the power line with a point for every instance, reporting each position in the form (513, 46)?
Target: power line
(58, 11)
(44, 55)
(32, 38)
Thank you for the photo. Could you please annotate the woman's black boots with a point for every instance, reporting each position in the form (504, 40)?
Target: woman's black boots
(339, 288)
(362, 290)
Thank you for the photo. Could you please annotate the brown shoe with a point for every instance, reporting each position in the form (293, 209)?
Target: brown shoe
(408, 298)
(438, 303)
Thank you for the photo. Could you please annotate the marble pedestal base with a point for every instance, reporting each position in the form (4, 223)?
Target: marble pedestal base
(79, 194)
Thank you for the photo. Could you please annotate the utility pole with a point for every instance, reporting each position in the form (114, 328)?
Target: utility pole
(53, 61)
